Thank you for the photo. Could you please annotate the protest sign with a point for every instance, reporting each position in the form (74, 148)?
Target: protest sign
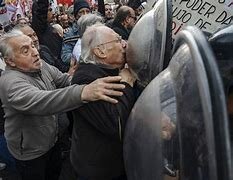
(208, 15)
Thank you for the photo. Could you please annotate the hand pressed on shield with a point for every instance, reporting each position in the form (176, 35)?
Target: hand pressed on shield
(102, 89)
(168, 127)
(127, 76)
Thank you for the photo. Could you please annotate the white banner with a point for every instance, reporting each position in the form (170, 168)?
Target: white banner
(208, 15)
(3, 13)
(10, 8)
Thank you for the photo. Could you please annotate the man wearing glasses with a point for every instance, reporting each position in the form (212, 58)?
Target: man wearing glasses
(96, 151)
(124, 21)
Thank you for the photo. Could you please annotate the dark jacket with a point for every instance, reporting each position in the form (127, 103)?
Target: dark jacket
(121, 30)
(48, 57)
(44, 30)
(98, 129)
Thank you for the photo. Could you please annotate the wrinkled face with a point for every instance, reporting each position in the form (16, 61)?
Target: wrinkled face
(27, 30)
(64, 21)
(25, 56)
(82, 11)
(108, 12)
(114, 49)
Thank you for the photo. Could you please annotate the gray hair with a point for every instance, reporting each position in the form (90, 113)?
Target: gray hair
(20, 27)
(5, 49)
(91, 38)
(88, 20)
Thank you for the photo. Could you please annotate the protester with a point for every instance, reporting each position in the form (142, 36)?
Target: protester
(64, 22)
(42, 16)
(124, 21)
(108, 13)
(96, 151)
(83, 23)
(32, 93)
(81, 7)
(64, 123)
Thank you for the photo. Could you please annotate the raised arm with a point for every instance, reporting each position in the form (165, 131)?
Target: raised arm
(39, 15)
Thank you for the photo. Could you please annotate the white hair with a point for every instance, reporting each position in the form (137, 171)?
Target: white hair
(88, 20)
(93, 36)
(5, 48)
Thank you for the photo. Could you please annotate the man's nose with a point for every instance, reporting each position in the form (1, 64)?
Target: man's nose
(35, 52)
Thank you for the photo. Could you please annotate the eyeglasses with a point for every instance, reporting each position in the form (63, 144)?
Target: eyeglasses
(119, 39)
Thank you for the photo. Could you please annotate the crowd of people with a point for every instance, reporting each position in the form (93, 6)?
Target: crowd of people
(65, 87)
(66, 91)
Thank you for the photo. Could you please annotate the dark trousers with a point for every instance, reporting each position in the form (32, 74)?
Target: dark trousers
(46, 167)
(5, 156)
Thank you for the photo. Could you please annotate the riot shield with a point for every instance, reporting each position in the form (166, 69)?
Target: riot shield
(188, 96)
(149, 43)
(222, 43)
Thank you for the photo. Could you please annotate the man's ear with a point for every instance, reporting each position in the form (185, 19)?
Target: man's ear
(9, 62)
(126, 21)
(99, 53)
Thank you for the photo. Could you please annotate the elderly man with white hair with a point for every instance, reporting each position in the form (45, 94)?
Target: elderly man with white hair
(96, 151)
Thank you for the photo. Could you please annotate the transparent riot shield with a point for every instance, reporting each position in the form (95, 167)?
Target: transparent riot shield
(174, 127)
(149, 43)
(142, 142)
(222, 43)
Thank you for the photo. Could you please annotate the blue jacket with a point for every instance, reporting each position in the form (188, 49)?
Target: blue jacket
(69, 40)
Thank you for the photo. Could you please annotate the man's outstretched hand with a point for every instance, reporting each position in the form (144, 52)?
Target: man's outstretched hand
(102, 89)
